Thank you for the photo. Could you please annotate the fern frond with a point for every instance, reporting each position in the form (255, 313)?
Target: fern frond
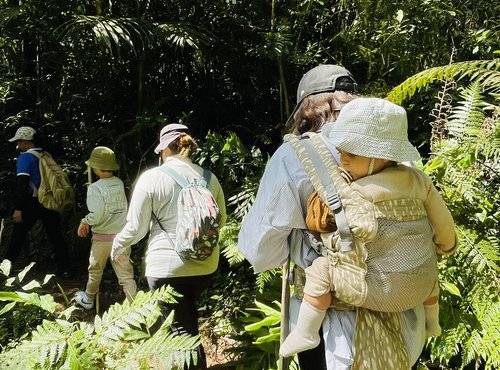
(122, 318)
(46, 348)
(484, 341)
(243, 201)
(444, 347)
(484, 70)
(265, 277)
(164, 350)
(479, 255)
(468, 117)
(228, 239)
(121, 331)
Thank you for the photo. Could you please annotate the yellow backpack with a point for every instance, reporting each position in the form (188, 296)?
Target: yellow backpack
(55, 192)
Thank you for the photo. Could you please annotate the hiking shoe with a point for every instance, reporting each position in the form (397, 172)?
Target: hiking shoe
(83, 300)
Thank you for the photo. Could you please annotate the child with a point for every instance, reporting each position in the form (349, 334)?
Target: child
(107, 205)
(371, 136)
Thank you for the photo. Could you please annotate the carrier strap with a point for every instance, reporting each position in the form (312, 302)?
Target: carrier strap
(332, 197)
(321, 178)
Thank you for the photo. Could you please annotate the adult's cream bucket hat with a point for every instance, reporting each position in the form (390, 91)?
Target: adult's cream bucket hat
(373, 128)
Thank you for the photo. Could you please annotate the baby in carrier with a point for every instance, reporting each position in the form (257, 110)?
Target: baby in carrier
(401, 224)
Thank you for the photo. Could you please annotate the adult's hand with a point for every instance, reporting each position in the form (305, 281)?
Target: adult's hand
(17, 216)
(116, 255)
(118, 259)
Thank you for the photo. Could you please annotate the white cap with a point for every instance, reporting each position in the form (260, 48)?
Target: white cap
(24, 133)
(168, 134)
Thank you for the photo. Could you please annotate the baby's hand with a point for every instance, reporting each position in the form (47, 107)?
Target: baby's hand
(83, 230)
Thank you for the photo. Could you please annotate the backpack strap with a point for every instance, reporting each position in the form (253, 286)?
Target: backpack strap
(39, 155)
(174, 175)
(181, 181)
(320, 177)
(36, 153)
(207, 175)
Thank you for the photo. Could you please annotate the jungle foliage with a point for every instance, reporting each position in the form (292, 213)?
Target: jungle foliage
(87, 73)
(122, 338)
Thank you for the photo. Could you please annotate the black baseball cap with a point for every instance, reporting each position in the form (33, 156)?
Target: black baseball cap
(324, 78)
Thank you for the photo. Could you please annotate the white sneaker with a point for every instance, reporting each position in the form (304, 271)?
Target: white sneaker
(83, 300)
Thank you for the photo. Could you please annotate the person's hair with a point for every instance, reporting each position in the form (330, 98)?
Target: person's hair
(315, 110)
(184, 145)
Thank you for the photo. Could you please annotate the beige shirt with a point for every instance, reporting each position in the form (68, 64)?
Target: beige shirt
(404, 182)
(157, 192)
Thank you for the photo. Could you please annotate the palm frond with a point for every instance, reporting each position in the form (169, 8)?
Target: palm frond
(111, 34)
(9, 14)
(181, 34)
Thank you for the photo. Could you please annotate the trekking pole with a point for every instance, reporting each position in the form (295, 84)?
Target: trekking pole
(1, 230)
(284, 362)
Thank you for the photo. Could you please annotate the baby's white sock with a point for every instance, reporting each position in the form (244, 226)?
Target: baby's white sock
(306, 334)
(432, 327)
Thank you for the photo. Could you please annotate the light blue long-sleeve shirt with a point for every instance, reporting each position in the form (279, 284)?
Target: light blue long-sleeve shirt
(107, 205)
(274, 227)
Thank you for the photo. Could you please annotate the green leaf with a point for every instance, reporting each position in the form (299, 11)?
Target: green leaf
(11, 297)
(5, 267)
(7, 308)
(31, 285)
(268, 321)
(132, 335)
(23, 273)
(450, 287)
(400, 15)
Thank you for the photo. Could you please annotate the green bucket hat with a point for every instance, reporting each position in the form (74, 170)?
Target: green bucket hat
(102, 158)
(324, 78)
(373, 128)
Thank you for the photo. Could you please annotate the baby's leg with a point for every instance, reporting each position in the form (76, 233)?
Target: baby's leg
(431, 308)
(317, 299)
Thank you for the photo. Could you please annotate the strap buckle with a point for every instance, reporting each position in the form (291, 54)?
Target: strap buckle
(334, 202)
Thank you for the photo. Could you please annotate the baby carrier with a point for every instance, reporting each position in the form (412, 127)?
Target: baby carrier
(381, 256)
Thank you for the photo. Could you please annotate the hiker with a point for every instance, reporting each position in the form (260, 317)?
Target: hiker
(27, 208)
(107, 206)
(154, 210)
(275, 226)
(371, 135)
